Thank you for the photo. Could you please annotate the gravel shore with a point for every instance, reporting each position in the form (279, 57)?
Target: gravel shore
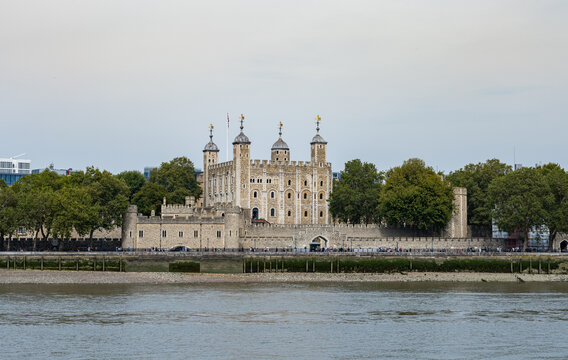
(85, 277)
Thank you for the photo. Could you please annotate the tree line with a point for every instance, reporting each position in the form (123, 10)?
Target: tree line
(48, 205)
(414, 195)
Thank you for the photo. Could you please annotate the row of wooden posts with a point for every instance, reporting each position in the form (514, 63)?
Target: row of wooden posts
(12, 264)
(331, 270)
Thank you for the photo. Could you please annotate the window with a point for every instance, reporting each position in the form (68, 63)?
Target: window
(255, 194)
(321, 196)
(276, 153)
(276, 159)
(163, 233)
(321, 213)
(305, 213)
(305, 195)
(321, 183)
(195, 233)
(272, 195)
(305, 183)
(271, 212)
(289, 182)
(140, 233)
(218, 233)
(181, 234)
(289, 213)
(289, 195)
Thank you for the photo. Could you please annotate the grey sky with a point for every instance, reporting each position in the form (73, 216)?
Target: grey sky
(124, 84)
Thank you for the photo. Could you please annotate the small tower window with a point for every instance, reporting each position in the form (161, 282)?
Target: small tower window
(276, 159)
(321, 183)
(321, 213)
(289, 195)
(321, 196)
(255, 194)
(305, 195)
(289, 182)
(305, 183)
(305, 213)
(271, 212)
(289, 213)
(272, 195)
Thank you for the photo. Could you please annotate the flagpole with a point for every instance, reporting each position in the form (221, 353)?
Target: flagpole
(227, 145)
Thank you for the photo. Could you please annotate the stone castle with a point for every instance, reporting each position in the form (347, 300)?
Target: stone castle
(276, 203)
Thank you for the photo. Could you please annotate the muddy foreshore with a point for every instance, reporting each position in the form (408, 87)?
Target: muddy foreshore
(85, 277)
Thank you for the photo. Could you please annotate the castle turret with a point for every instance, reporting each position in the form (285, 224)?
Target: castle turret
(210, 157)
(241, 168)
(318, 147)
(280, 150)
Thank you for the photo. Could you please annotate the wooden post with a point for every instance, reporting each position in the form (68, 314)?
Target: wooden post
(120, 264)
(306, 265)
(77, 264)
(520, 266)
(41, 266)
(24, 262)
(60, 263)
(548, 263)
(410, 264)
(511, 266)
(314, 265)
(8, 263)
(338, 265)
(264, 265)
(95, 263)
(539, 266)
(103, 263)
(331, 266)
(530, 265)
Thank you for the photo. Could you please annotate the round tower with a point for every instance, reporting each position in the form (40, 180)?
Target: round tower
(280, 150)
(210, 157)
(318, 147)
(241, 168)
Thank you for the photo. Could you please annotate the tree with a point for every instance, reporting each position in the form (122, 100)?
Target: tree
(134, 180)
(38, 202)
(104, 200)
(8, 213)
(476, 178)
(178, 178)
(150, 198)
(555, 201)
(355, 197)
(517, 200)
(415, 195)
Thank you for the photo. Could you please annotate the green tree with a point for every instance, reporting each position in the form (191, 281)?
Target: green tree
(38, 202)
(555, 200)
(134, 179)
(476, 179)
(150, 198)
(178, 178)
(9, 216)
(517, 200)
(414, 195)
(355, 197)
(103, 200)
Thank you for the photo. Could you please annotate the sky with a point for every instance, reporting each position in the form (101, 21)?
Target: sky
(123, 84)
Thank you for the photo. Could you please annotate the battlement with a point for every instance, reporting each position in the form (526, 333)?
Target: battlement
(227, 164)
(277, 164)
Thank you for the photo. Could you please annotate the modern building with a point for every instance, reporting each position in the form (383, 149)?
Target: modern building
(52, 168)
(11, 169)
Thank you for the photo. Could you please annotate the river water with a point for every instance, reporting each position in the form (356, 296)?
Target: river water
(296, 321)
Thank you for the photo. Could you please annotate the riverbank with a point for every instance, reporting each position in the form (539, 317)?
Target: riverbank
(81, 277)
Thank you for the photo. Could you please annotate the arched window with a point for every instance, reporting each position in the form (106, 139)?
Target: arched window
(321, 183)
(289, 213)
(289, 195)
(321, 213)
(255, 194)
(305, 183)
(305, 213)
(321, 196)
(289, 182)
(271, 212)
(305, 195)
(272, 195)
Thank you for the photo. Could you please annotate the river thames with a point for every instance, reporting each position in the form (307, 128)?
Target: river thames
(286, 321)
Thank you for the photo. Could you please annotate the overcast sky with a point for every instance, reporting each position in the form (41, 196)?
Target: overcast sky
(126, 84)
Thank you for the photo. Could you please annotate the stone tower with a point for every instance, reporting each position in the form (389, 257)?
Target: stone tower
(318, 147)
(210, 157)
(241, 169)
(280, 150)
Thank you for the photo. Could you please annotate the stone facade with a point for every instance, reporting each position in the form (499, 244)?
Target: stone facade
(278, 190)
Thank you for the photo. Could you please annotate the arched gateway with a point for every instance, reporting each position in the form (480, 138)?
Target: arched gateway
(564, 246)
(318, 243)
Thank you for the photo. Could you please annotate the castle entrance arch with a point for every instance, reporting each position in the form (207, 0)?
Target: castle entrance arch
(564, 246)
(255, 213)
(318, 243)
